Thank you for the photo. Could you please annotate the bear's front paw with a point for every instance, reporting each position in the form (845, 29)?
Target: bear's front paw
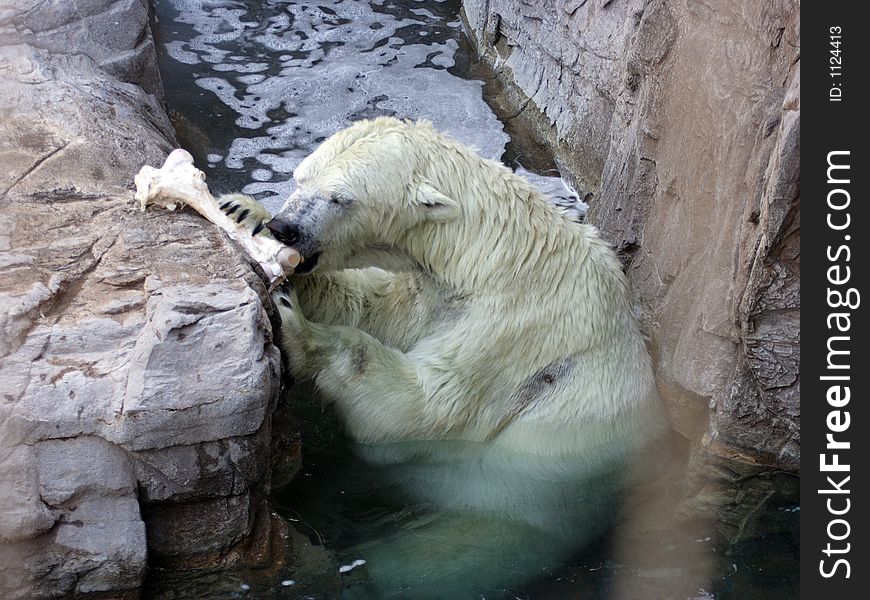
(246, 211)
(297, 340)
(287, 302)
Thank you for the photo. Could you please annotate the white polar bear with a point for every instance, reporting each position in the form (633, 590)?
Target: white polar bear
(466, 328)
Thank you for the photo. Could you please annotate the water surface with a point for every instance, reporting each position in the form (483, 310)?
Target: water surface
(254, 87)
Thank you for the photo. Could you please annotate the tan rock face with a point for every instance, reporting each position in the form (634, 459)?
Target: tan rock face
(685, 118)
(138, 374)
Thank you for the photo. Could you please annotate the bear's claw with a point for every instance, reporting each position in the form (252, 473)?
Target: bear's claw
(285, 296)
(246, 211)
(286, 299)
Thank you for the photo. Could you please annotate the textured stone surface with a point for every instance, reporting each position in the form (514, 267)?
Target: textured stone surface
(563, 63)
(112, 33)
(138, 374)
(684, 118)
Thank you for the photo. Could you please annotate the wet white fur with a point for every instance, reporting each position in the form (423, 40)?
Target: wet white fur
(484, 284)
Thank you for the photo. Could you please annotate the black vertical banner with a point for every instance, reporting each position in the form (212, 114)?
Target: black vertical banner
(835, 356)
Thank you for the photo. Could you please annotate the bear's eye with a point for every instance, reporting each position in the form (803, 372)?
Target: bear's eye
(339, 200)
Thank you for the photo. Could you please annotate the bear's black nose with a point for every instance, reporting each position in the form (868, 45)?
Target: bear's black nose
(284, 231)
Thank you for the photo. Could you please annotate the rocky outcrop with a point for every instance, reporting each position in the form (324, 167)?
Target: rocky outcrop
(138, 373)
(684, 119)
(114, 34)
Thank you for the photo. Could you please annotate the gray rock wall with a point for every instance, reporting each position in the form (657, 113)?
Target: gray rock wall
(138, 374)
(684, 119)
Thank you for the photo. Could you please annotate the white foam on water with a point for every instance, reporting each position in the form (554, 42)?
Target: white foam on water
(347, 568)
(325, 67)
(292, 74)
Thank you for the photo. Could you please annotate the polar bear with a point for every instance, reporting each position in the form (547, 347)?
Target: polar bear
(471, 335)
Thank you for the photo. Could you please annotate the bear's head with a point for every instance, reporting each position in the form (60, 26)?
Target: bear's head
(359, 193)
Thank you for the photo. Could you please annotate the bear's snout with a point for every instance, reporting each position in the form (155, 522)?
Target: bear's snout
(284, 231)
(292, 234)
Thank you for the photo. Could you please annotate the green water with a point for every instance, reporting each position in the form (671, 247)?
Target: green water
(341, 501)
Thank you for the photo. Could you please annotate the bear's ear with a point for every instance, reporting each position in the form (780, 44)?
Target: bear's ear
(435, 205)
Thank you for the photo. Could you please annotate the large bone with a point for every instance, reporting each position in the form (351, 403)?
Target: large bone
(178, 182)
